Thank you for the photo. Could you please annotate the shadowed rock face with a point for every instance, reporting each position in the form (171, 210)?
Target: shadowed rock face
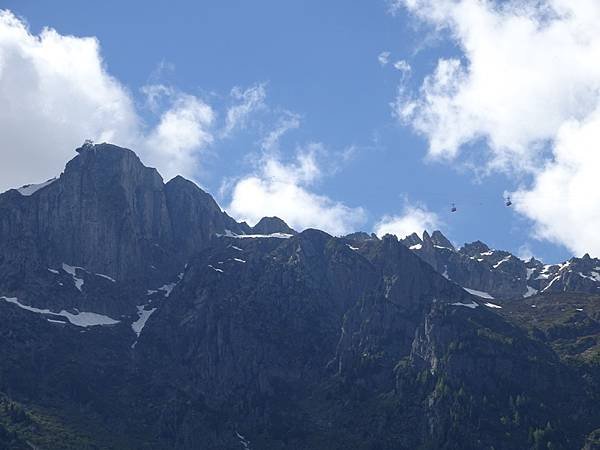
(294, 341)
(195, 217)
(110, 214)
(500, 274)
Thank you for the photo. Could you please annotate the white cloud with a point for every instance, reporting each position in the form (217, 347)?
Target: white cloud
(384, 58)
(248, 101)
(183, 129)
(414, 219)
(402, 66)
(525, 253)
(282, 190)
(528, 85)
(55, 92)
(522, 77)
(288, 121)
(564, 201)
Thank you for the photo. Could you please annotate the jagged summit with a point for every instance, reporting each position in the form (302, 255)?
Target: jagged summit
(475, 248)
(499, 274)
(440, 240)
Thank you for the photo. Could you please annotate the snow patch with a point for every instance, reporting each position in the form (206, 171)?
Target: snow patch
(55, 321)
(471, 305)
(30, 189)
(239, 260)
(445, 274)
(492, 305)
(54, 271)
(499, 263)
(530, 292)
(72, 270)
(229, 234)
(215, 269)
(557, 277)
(479, 293)
(167, 288)
(355, 248)
(416, 247)
(88, 319)
(81, 319)
(236, 248)
(101, 275)
(143, 316)
(594, 276)
(245, 442)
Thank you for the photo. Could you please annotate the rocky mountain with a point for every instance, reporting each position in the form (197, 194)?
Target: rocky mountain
(107, 226)
(188, 330)
(499, 274)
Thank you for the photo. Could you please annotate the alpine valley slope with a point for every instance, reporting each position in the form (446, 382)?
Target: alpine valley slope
(138, 315)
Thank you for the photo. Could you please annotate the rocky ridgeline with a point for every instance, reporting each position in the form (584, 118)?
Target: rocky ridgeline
(499, 274)
(142, 316)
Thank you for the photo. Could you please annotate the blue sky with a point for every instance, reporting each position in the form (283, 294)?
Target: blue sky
(317, 61)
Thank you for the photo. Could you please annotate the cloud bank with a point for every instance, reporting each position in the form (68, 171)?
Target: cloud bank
(414, 219)
(284, 190)
(55, 92)
(527, 85)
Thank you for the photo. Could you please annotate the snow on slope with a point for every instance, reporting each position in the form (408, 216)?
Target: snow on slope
(479, 293)
(80, 319)
(30, 189)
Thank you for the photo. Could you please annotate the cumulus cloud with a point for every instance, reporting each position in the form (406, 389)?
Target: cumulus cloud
(182, 129)
(414, 219)
(283, 190)
(527, 85)
(55, 92)
(564, 201)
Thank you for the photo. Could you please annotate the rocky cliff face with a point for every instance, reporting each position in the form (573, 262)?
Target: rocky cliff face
(136, 314)
(109, 214)
(106, 216)
(499, 274)
(310, 342)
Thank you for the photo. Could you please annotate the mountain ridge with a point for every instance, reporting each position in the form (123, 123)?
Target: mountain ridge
(261, 337)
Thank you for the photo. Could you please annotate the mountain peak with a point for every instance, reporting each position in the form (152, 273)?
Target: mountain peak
(475, 248)
(361, 236)
(270, 225)
(440, 240)
(412, 239)
(108, 164)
